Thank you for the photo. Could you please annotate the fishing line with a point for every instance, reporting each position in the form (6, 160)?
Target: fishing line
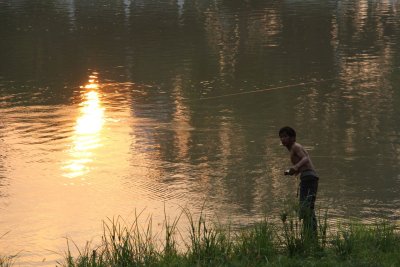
(263, 90)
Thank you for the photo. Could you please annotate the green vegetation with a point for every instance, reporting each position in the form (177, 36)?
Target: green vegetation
(204, 242)
(208, 243)
(6, 261)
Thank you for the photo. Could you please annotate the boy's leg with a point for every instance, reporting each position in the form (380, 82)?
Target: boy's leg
(308, 193)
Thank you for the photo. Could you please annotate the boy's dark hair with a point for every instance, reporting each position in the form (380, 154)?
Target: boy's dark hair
(287, 130)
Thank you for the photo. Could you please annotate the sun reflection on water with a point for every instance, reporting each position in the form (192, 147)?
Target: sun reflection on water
(87, 135)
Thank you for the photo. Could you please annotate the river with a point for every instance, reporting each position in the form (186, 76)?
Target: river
(115, 108)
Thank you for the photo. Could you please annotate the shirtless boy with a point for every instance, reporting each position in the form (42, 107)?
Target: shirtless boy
(308, 177)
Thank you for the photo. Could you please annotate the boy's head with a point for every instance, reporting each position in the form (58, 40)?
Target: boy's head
(289, 131)
(287, 136)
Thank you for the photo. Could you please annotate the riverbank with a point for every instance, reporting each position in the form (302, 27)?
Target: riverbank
(204, 242)
(207, 243)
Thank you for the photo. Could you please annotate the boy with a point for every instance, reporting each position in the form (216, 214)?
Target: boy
(308, 177)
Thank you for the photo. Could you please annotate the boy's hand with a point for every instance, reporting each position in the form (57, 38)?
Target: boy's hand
(290, 171)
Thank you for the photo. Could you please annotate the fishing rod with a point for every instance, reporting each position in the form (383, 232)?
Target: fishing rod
(263, 90)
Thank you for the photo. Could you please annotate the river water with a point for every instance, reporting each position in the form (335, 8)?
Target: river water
(114, 107)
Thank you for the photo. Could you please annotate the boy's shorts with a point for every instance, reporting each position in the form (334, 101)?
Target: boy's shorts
(308, 175)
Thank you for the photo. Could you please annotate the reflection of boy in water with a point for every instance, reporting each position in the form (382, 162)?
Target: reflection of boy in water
(308, 177)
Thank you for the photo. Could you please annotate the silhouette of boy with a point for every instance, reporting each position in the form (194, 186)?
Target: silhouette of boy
(308, 177)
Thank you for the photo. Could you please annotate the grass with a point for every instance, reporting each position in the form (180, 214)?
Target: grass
(208, 243)
(205, 242)
(7, 261)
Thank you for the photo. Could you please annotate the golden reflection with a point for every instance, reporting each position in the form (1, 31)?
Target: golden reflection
(181, 121)
(87, 131)
(360, 17)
